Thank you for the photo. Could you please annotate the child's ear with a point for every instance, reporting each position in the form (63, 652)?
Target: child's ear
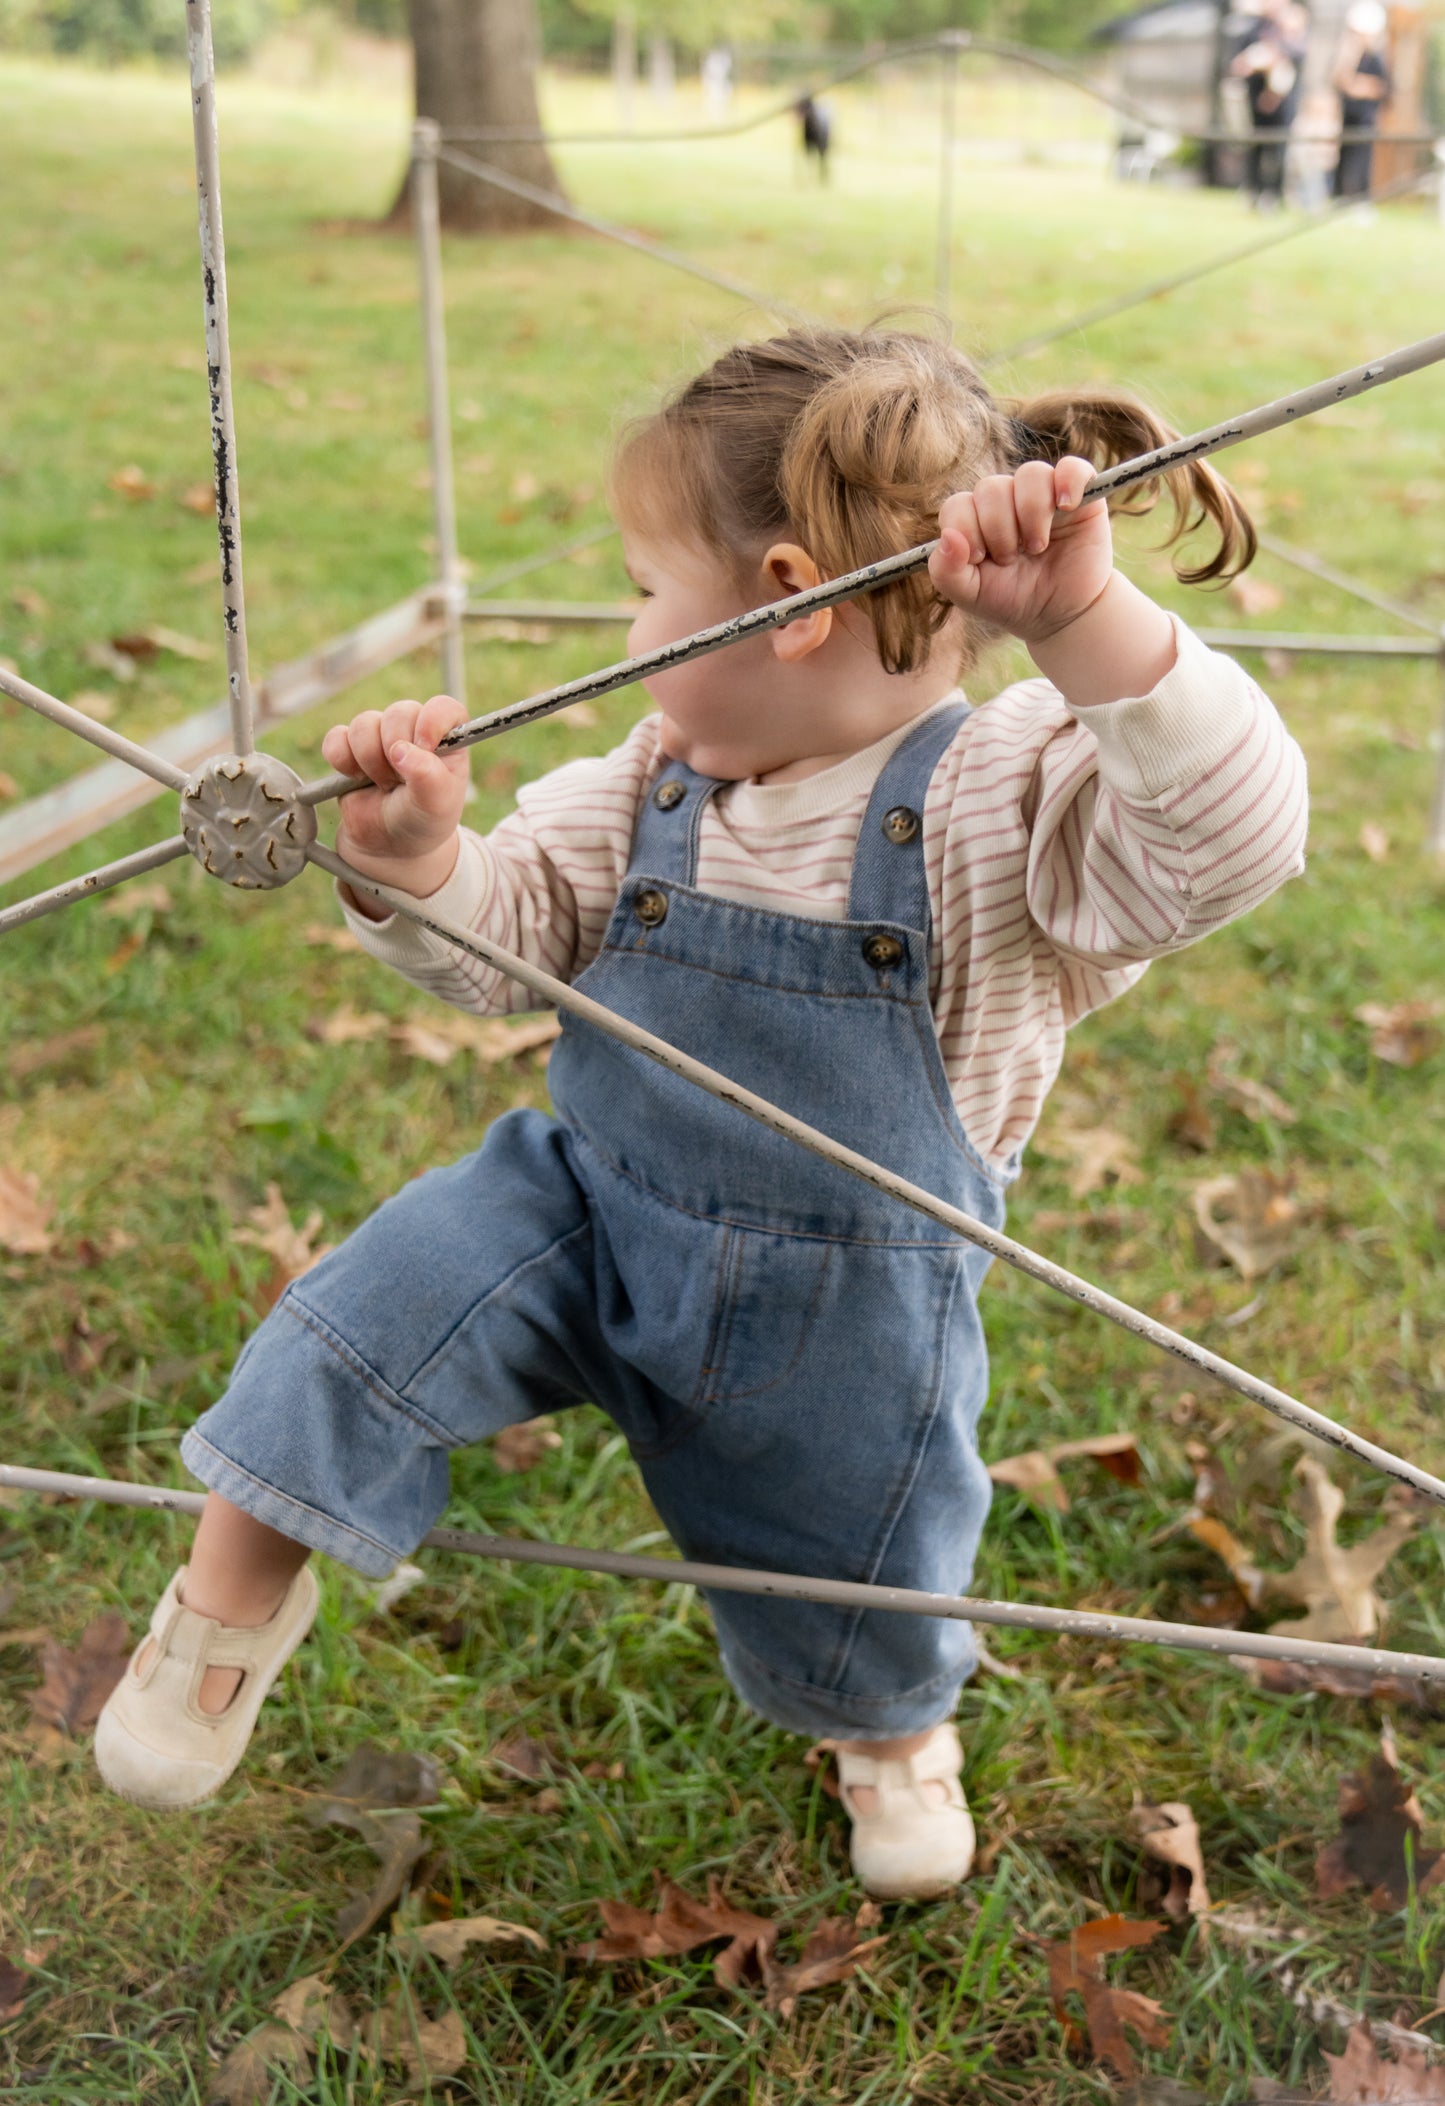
(786, 568)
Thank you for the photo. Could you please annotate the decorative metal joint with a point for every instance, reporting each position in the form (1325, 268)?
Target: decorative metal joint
(244, 822)
(426, 139)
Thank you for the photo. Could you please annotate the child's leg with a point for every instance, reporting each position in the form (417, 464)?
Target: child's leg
(238, 1575)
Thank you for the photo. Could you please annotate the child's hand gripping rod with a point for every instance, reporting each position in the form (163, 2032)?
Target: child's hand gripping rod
(1269, 417)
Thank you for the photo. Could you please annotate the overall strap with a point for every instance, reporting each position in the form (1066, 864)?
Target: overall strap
(664, 841)
(890, 882)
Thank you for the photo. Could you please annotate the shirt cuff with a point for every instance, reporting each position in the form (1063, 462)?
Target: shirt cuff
(405, 944)
(1199, 711)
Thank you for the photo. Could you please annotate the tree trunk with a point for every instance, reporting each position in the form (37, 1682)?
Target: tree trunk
(476, 65)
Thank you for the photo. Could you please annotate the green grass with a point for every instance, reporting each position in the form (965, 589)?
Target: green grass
(155, 1941)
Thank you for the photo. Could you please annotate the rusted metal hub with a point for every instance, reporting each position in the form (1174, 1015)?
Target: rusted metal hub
(244, 822)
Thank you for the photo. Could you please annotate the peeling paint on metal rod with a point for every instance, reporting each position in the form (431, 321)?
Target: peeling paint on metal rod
(557, 994)
(1287, 409)
(101, 880)
(426, 213)
(485, 173)
(789, 1586)
(218, 369)
(85, 727)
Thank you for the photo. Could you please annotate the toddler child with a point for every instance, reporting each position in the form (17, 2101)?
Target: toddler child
(817, 870)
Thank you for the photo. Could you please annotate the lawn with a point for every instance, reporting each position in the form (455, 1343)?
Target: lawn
(164, 1062)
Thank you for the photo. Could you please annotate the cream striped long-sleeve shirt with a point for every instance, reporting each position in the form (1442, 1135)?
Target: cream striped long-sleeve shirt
(1064, 848)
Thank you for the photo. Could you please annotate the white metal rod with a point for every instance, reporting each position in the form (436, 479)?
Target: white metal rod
(1435, 830)
(218, 368)
(585, 611)
(947, 126)
(1345, 581)
(86, 727)
(557, 994)
(1332, 646)
(1287, 409)
(101, 880)
(545, 199)
(788, 1586)
(426, 213)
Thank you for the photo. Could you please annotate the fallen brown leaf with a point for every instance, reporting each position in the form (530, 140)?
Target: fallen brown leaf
(424, 1042)
(1100, 1157)
(199, 498)
(446, 1942)
(14, 1988)
(107, 659)
(347, 1026)
(248, 2075)
(522, 1447)
(1255, 1099)
(1035, 1472)
(138, 899)
(311, 2007)
(1073, 1965)
(1362, 2077)
(330, 936)
(1375, 842)
(523, 1756)
(1378, 1813)
(438, 1037)
(292, 1249)
(131, 482)
(428, 2049)
(1191, 1123)
(77, 1683)
(24, 1215)
(1302, 1677)
(1334, 1586)
(1402, 1034)
(1255, 595)
(1251, 1218)
(399, 1846)
(679, 1924)
(1170, 1833)
(381, 1777)
(9, 787)
(98, 702)
(26, 600)
(833, 1953)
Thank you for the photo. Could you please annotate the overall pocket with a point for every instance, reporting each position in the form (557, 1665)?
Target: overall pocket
(770, 1291)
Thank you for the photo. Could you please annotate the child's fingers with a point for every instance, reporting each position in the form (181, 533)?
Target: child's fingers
(431, 781)
(436, 718)
(369, 748)
(952, 564)
(998, 518)
(398, 726)
(336, 750)
(1034, 505)
(1072, 477)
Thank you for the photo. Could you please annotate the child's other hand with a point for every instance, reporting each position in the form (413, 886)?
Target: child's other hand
(404, 828)
(1005, 556)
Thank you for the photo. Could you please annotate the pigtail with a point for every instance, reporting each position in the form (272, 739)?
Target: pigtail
(872, 455)
(1106, 426)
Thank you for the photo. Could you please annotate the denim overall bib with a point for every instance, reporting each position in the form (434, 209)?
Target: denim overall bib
(796, 1360)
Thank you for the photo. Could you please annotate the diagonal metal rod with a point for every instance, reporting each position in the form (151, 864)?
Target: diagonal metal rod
(426, 213)
(85, 727)
(788, 1586)
(94, 881)
(557, 994)
(1317, 567)
(1288, 409)
(548, 201)
(1121, 303)
(218, 369)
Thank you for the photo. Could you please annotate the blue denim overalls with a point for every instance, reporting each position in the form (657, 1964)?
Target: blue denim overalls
(796, 1360)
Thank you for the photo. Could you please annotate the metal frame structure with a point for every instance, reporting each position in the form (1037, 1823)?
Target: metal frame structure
(44, 825)
(250, 822)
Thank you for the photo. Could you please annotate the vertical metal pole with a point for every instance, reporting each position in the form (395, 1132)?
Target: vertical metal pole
(948, 125)
(1435, 831)
(218, 367)
(426, 138)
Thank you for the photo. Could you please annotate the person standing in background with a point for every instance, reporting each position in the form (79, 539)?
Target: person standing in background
(1361, 79)
(1271, 65)
(815, 135)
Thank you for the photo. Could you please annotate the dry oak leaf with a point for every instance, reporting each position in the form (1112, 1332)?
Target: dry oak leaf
(677, 1925)
(248, 2075)
(1335, 1587)
(1255, 595)
(1251, 1219)
(293, 1249)
(1306, 1677)
(199, 498)
(1099, 1155)
(523, 1756)
(1378, 1813)
(1074, 1965)
(491, 1038)
(428, 2049)
(9, 787)
(77, 1683)
(311, 2007)
(1255, 1099)
(1035, 1472)
(347, 1026)
(1375, 842)
(24, 1215)
(446, 1942)
(522, 1447)
(131, 482)
(1170, 1833)
(138, 899)
(1403, 1034)
(833, 1953)
(14, 1984)
(375, 1776)
(399, 1846)
(1361, 2076)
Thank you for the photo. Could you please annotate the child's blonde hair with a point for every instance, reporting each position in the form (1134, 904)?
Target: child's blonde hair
(848, 442)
